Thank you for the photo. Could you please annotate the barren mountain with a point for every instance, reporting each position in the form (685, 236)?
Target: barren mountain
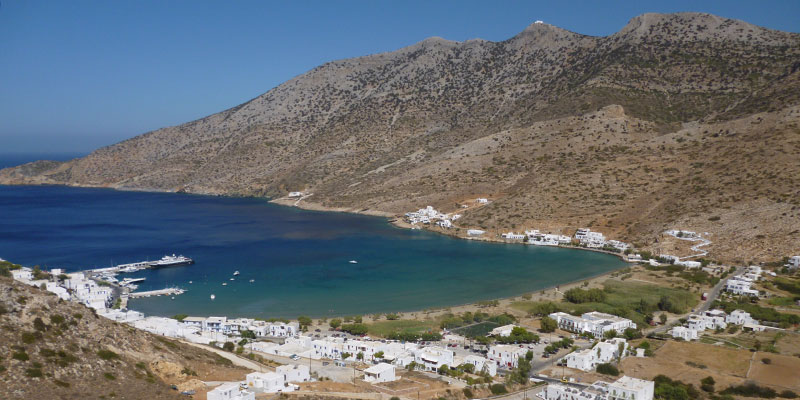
(676, 121)
(52, 349)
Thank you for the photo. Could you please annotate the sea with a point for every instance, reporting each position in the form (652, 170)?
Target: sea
(291, 262)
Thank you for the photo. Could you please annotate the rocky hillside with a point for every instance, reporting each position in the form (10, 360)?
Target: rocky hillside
(676, 121)
(50, 349)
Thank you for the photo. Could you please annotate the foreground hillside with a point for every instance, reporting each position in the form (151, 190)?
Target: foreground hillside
(683, 121)
(50, 349)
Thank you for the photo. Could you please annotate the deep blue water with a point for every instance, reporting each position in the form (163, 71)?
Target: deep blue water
(299, 259)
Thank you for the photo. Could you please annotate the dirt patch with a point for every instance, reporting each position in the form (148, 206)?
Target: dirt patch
(782, 371)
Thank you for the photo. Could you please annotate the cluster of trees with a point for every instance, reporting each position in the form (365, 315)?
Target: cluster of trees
(519, 335)
(456, 321)
(522, 372)
(750, 389)
(355, 329)
(561, 344)
(607, 369)
(668, 389)
(548, 325)
(6, 268)
(578, 295)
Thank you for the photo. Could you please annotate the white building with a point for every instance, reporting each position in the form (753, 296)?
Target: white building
(431, 358)
(740, 317)
(480, 364)
(684, 333)
(594, 322)
(380, 373)
(589, 238)
(23, 274)
(230, 391)
(741, 286)
(475, 232)
(602, 352)
(794, 262)
(294, 373)
(266, 382)
(482, 200)
(689, 264)
(506, 355)
(512, 236)
(295, 194)
(627, 388)
(703, 322)
(502, 331)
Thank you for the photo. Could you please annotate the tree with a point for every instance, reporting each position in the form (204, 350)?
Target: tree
(360, 356)
(444, 369)
(248, 334)
(548, 325)
(345, 356)
(335, 323)
(378, 355)
(607, 369)
(529, 355)
(610, 334)
(662, 318)
(179, 317)
(228, 346)
(357, 319)
(631, 334)
(355, 329)
(304, 321)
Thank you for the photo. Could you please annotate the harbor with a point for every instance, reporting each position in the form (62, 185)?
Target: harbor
(159, 292)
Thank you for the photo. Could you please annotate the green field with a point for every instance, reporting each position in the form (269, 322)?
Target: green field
(384, 328)
(627, 299)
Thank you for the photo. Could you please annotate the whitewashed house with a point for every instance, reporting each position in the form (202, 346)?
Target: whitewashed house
(740, 317)
(482, 200)
(481, 364)
(431, 358)
(505, 355)
(294, 373)
(266, 382)
(594, 322)
(681, 332)
(512, 236)
(627, 388)
(475, 232)
(230, 391)
(380, 373)
(602, 352)
(502, 331)
(589, 238)
(741, 286)
(794, 262)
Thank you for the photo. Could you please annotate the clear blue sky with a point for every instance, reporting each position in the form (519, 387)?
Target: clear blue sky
(76, 75)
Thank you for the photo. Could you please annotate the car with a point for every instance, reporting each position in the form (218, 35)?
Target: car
(317, 330)
(325, 363)
(294, 357)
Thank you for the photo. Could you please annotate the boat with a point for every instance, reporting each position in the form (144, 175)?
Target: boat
(172, 261)
(213, 297)
(232, 279)
(224, 283)
(190, 282)
(236, 273)
(252, 280)
(353, 262)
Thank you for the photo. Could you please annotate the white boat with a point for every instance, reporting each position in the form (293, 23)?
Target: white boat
(224, 283)
(353, 262)
(252, 280)
(190, 282)
(232, 279)
(172, 261)
(236, 273)
(213, 297)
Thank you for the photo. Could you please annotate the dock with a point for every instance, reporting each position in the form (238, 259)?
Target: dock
(159, 292)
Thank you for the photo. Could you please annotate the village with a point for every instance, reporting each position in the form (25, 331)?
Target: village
(343, 353)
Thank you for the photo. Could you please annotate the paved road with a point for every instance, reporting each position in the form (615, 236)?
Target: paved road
(236, 360)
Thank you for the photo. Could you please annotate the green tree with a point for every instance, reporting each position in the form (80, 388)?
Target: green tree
(335, 323)
(662, 318)
(548, 325)
(228, 346)
(610, 334)
(304, 321)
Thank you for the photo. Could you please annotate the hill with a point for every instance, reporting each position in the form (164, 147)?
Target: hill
(51, 349)
(684, 120)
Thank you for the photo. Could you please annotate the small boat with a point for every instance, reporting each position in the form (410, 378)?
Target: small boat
(353, 262)
(213, 297)
(224, 283)
(252, 280)
(190, 282)
(236, 273)
(173, 298)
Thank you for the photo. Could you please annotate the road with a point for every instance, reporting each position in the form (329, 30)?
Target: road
(236, 360)
(704, 306)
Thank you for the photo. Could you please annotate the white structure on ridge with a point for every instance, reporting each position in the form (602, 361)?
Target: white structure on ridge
(230, 391)
(625, 388)
(681, 332)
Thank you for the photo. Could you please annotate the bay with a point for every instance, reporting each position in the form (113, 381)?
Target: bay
(298, 259)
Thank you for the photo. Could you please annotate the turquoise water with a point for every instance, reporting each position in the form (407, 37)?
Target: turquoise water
(298, 259)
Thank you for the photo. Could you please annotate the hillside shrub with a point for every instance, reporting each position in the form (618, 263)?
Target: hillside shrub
(751, 389)
(106, 354)
(34, 372)
(607, 369)
(498, 388)
(109, 376)
(21, 356)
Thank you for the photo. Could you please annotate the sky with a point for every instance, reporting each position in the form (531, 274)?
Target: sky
(77, 75)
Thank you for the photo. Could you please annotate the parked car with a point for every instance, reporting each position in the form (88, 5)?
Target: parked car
(294, 357)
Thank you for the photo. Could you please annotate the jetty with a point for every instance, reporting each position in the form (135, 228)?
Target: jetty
(159, 292)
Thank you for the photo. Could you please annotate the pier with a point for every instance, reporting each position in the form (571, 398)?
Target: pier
(159, 292)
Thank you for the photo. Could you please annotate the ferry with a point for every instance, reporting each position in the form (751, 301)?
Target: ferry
(172, 261)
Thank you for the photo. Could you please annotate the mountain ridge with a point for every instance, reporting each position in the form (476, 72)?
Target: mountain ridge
(374, 132)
